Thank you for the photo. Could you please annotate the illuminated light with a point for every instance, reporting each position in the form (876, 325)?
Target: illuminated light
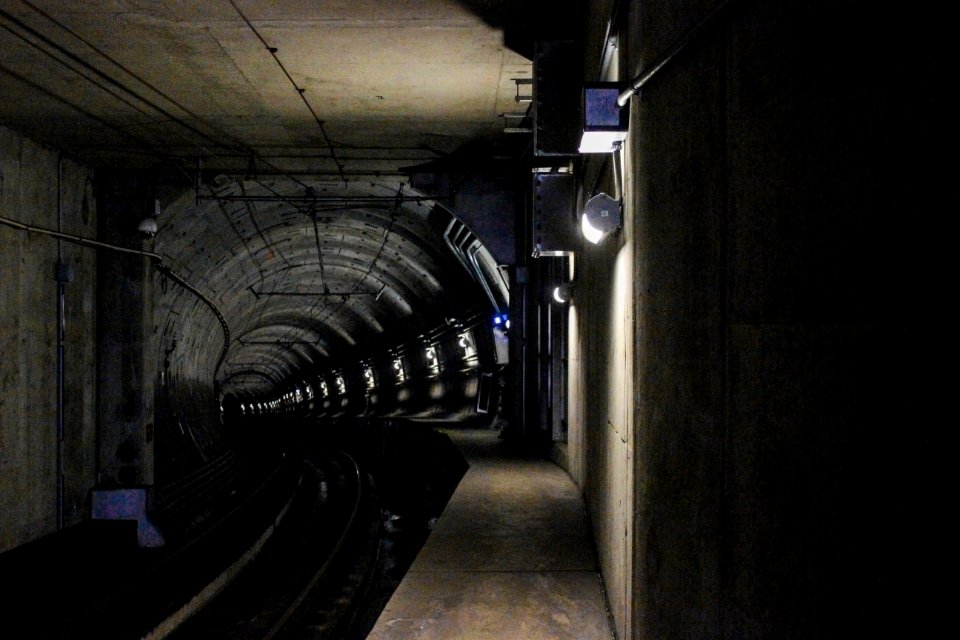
(466, 343)
(369, 377)
(433, 360)
(507, 325)
(590, 232)
(324, 390)
(601, 141)
(341, 385)
(561, 294)
(601, 217)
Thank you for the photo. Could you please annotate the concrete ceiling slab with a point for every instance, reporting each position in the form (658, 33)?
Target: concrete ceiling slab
(282, 99)
(193, 77)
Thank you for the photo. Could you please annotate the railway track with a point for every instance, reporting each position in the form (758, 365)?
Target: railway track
(307, 579)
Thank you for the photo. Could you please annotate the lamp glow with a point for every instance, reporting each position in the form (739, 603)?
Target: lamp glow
(601, 141)
(590, 232)
(601, 217)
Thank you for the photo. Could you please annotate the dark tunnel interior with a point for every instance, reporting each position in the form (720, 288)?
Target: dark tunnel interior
(283, 254)
(366, 299)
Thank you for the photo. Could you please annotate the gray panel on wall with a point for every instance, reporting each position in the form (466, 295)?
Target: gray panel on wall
(557, 81)
(554, 214)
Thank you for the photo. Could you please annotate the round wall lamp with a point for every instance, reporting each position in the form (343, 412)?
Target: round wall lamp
(148, 226)
(601, 217)
(562, 293)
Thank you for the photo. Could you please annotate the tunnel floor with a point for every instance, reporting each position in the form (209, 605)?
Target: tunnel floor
(460, 537)
(510, 557)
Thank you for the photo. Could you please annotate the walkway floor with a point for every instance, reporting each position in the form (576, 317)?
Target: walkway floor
(509, 558)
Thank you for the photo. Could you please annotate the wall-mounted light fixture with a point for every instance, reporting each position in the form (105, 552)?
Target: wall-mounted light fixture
(148, 224)
(465, 342)
(605, 124)
(369, 377)
(433, 359)
(601, 217)
(562, 293)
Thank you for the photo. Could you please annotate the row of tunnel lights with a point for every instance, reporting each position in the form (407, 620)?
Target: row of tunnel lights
(432, 352)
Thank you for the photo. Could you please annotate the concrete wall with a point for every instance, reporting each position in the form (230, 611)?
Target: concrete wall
(766, 165)
(600, 410)
(28, 338)
(126, 335)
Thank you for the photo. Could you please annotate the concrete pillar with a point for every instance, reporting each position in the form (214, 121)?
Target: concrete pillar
(46, 435)
(126, 340)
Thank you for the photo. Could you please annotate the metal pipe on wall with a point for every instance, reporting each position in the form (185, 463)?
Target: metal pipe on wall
(158, 263)
(60, 275)
(637, 83)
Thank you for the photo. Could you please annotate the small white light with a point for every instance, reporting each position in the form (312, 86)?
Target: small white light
(590, 232)
(601, 141)
(562, 293)
(148, 226)
(601, 216)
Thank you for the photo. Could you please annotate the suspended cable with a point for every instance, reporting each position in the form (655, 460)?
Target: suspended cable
(147, 147)
(108, 79)
(300, 90)
(316, 236)
(246, 245)
(383, 243)
(158, 263)
(122, 67)
(235, 146)
(253, 218)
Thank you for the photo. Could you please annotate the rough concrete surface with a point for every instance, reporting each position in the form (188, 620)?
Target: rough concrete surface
(510, 558)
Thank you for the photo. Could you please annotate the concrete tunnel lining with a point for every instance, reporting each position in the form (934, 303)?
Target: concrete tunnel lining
(397, 276)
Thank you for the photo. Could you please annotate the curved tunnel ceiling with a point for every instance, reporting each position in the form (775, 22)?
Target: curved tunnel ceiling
(311, 273)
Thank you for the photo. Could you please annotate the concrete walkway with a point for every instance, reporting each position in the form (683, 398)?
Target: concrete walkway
(510, 558)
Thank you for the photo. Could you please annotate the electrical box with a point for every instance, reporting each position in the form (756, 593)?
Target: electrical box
(554, 214)
(557, 84)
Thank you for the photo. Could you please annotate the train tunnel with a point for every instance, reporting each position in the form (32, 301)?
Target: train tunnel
(238, 236)
(361, 299)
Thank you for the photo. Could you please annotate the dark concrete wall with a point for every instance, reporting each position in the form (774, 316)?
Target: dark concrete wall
(774, 186)
(125, 336)
(28, 341)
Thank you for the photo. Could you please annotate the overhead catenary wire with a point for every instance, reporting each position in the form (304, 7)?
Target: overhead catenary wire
(94, 70)
(146, 146)
(120, 66)
(393, 218)
(54, 50)
(301, 91)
